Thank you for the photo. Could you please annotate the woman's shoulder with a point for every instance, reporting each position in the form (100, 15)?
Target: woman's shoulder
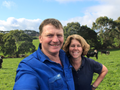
(87, 59)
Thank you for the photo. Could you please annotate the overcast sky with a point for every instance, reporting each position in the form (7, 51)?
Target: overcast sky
(28, 14)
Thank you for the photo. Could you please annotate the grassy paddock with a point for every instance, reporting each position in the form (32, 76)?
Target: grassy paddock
(112, 62)
(8, 72)
(36, 43)
(110, 82)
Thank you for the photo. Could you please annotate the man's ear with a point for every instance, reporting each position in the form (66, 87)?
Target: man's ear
(40, 39)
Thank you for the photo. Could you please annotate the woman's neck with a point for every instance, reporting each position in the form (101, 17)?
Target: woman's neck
(76, 63)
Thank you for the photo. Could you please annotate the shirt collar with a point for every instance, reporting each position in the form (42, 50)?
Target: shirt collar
(41, 56)
(63, 57)
(83, 61)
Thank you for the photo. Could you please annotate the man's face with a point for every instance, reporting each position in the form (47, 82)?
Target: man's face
(51, 39)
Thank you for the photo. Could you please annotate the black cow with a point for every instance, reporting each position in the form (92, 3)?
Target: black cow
(1, 61)
(105, 52)
(92, 54)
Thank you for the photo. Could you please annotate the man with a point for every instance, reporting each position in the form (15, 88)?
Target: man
(48, 68)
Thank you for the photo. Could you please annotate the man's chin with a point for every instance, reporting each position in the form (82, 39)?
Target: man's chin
(55, 51)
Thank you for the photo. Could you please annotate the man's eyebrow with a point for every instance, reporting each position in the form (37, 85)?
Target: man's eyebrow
(49, 33)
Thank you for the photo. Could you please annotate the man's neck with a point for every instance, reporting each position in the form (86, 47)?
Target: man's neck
(53, 57)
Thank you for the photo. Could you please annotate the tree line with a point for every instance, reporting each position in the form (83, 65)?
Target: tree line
(105, 33)
(16, 42)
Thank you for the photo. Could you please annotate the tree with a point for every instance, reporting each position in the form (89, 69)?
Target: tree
(106, 30)
(23, 42)
(90, 36)
(26, 47)
(25, 37)
(1, 41)
(87, 33)
(9, 46)
(117, 38)
(17, 42)
(71, 28)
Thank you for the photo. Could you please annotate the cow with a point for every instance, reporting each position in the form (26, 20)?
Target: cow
(1, 61)
(105, 52)
(92, 54)
(22, 55)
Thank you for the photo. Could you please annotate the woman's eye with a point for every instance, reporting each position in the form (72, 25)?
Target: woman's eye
(72, 46)
(79, 46)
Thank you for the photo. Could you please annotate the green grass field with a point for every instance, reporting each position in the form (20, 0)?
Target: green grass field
(110, 82)
(112, 62)
(36, 43)
(8, 72)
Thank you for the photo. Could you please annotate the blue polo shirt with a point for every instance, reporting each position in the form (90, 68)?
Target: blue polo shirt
(83, 77)
(38, 72)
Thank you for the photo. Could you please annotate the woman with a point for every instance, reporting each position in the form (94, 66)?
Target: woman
(83, 68)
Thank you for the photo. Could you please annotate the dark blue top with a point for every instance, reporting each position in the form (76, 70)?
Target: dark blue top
(83, 77)
(38, 72)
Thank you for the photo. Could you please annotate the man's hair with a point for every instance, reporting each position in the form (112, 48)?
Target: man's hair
(51, 21)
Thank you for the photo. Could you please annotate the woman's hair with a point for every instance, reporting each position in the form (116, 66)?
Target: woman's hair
(51, 21)
(83, 42)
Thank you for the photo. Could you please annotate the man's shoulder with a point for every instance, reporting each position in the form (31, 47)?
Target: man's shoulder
(30, 58)
(62, 52)
(27, 59)
(32, 62)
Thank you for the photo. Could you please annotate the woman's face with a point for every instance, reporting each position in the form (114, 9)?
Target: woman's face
(75, 49)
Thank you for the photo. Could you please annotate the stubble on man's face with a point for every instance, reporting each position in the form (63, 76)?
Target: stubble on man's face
(52, 39)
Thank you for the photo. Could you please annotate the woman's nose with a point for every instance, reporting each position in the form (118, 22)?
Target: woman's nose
(75, 47)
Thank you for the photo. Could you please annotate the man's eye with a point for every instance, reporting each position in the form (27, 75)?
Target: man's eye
(59, 35)
(50, 35)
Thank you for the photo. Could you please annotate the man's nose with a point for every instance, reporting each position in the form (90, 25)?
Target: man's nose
(55, 39)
